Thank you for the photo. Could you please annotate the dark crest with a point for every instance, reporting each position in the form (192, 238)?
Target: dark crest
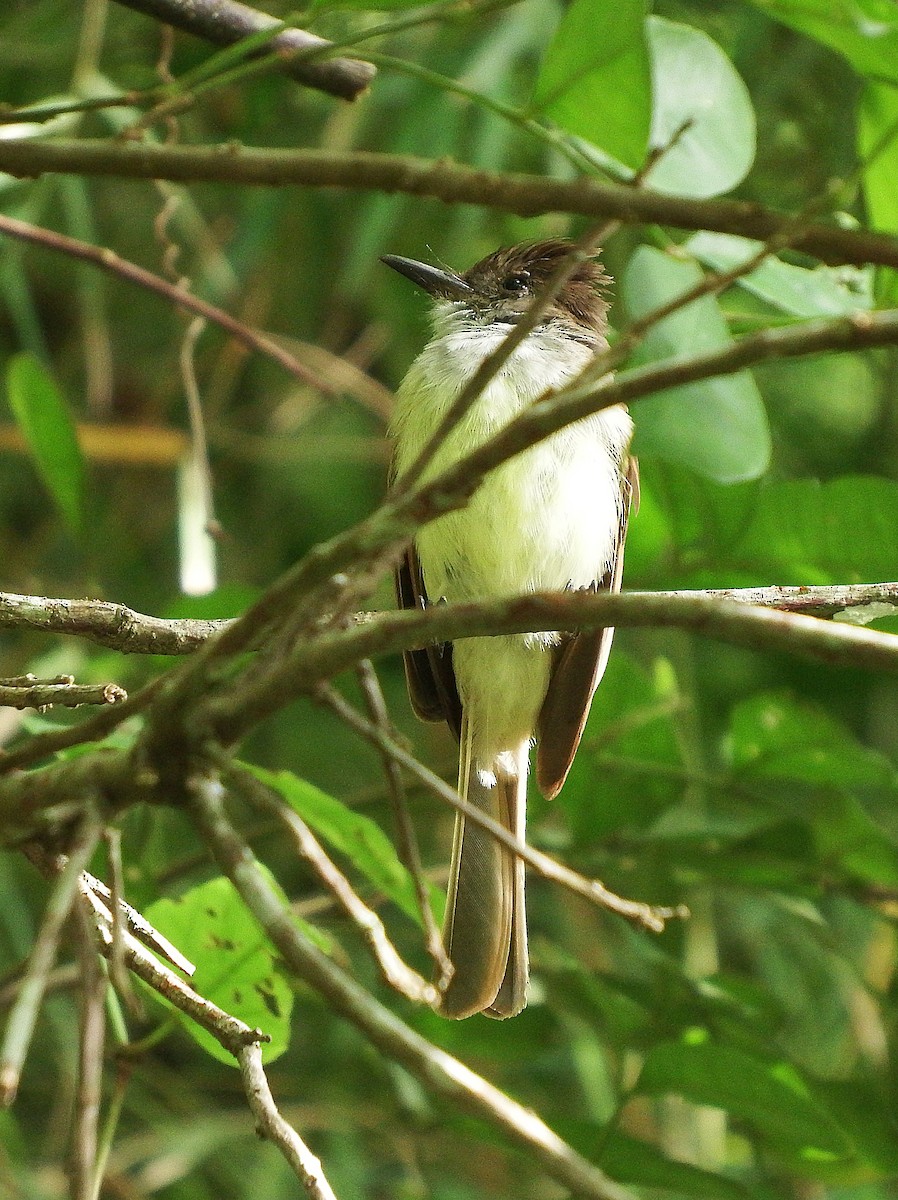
(520, 271)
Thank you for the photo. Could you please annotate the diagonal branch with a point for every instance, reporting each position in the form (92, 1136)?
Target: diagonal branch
(225, 22)
(436, 1069)
(648, 916)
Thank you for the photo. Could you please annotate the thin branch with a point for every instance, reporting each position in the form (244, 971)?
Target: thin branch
(111, 625)
(231, 1033)
(23, 1015)
(433, 1067)
(114, 264)
(649, 916)
(398, 974)
(271, 1125)
(405, 831)
(225, 22)
(45, 745)
(92, 1031)
(27, 691)
(453, 183)
(103, 902)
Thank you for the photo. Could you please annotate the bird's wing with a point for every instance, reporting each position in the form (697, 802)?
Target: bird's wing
(578, 669)
(428, 673)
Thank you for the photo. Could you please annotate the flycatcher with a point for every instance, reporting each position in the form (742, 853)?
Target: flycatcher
(552, 518)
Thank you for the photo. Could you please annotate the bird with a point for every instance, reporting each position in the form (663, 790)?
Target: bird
(552, 518)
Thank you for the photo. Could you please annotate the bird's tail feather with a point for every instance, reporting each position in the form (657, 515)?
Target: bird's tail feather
(485, 931)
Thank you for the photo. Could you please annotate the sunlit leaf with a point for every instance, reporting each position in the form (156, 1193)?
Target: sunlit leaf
(352, 834)
(594, 80)
(703, 123)
(235, 963)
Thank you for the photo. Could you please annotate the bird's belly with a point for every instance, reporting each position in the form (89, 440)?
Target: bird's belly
(546, 520)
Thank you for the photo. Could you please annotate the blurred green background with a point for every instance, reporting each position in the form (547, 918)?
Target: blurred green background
(747, 1052)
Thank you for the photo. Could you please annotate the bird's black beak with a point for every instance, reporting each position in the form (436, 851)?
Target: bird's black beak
(436, 282)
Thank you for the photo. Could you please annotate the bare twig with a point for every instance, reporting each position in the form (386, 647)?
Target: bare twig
(92, 1032)
(117, 909)
(136, 923)
(108, 260)
(23, 1015)
(527, 195)
(225, 22)
(649, 916)
(398, 974)
(405, 831)
(27, 691)
(232, 1033)
(271, 1124)
(111, 625)
(44, 745)
(434, 1067)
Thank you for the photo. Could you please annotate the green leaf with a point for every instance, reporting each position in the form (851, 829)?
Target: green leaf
(806, 532)
(877, 145)
(865, 32)
(717, 427)
(821, 292)
(773, 735)
(631, 1160)
(48, 428)
(594, 80)
(356, 836)
(770, 1095)
(235, 963)
(631, 718)
(703, 121)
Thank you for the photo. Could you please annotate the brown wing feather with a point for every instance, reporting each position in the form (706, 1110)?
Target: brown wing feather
(579, 666)
(429, 675)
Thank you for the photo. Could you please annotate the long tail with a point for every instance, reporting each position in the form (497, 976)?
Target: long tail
(485, 931)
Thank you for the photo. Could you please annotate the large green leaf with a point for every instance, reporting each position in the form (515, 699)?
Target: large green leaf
(773, 735)
(863, 31)
(352, 834)
(48, 428)
(634, 1161)
(235, 963)
(770, 1095)
(594, 80)
(717, 427)
(843, 531)
(703, 122)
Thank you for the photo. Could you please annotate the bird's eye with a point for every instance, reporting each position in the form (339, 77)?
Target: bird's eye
(516, 283)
